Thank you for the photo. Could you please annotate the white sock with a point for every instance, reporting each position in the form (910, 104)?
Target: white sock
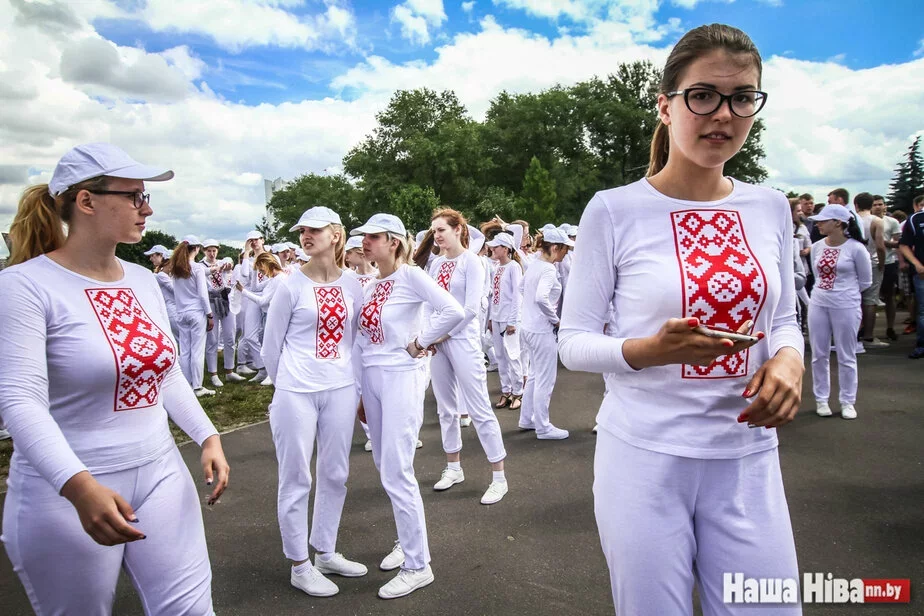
(499, 476)
(454, 466)
(305, 567)
(325, 557)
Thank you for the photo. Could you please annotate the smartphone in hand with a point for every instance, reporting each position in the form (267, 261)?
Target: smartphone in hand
(721, 332)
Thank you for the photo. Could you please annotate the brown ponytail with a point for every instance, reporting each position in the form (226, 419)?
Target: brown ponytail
(179, 262)
(660, 146)
(424, 250)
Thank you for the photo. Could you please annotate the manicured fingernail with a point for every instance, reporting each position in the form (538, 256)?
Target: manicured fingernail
(747, 393)
(728, 343)
(692, 322)
(209, 482)
(135, 520)
(743, 417)
(760, 335)
(144, 536)
(769, 427)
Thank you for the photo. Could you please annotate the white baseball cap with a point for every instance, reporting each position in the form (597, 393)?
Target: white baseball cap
(354, 242)
(832, 211)
(192, 240)
(547, 227)
(228, 260)
(254, 235)
(381, 223)
(502, 239)
(317, 218)
(277, 248)
(300, 255)
(158, 249)
(92, 160)
(475, 239)
(420, 236)
(291, 246)
(208, 243)
(556, 236)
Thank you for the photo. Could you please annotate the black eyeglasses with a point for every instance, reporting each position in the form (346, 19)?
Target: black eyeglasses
(706, 101)
(138, 198)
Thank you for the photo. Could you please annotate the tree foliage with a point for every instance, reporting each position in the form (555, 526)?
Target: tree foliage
(908, 182)
(308, 191)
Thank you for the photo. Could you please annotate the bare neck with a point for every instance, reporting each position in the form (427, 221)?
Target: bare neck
(322, 268)
(89, 256)
(681, 179)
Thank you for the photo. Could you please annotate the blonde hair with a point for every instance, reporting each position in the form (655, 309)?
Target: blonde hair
(267, 263)
(179, 261)
(403, 251)
(38, 227)
(339, 252)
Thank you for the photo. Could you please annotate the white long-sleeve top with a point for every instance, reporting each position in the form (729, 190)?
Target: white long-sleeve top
(464, 278)
(89, 374)
(391, 317)
(541, 292)
(363, 279)
(264, 297)
(798, 271)
(309, 333)
(192, 294)
(842, 273)
(654, 258)
(217, 278)
(506, 293)
(165, 282)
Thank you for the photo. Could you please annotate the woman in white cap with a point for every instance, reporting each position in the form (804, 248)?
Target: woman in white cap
(843, 270)
(684, 491)
(504, 318)
(159, 256)
(539, 332)
(268, 274)
(251, 317)
(307, 347)
(392, 341)
(87, 383)
(193, 311)
(457, 369)
(356, 260)
(218, 276)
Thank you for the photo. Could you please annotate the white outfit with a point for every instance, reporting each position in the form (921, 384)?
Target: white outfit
(192, 307)
(108, 418)
(724, 262)
(541, 293)
(487, 342)
(890, 229)
(842, 273)
(504, 310)
(392, 388)
(307, 348)
(224, 326)
(166, 288)
(252, 327)
(458, 373)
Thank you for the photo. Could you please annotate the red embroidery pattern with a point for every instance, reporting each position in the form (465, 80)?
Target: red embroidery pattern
(827, 268)
(370, 319)
(497, 279)
(445, 274)
(216, 280)
(723, 284)
(332, 316)
(143, 352)
(364, 280)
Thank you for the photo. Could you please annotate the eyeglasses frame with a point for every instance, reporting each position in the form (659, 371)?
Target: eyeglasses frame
(723, 98)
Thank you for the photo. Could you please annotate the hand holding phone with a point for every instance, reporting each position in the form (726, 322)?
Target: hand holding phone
(721, 332)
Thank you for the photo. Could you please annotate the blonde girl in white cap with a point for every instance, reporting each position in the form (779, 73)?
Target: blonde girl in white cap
(393, 339)
(267, 276)
(98, 436)
(193, 310)
(504, 318)
(218, 276)
(159, 256)
(542, 289)
(251, 316)
(685, 492)
(365, 272)
(843, 270)
(307, 346)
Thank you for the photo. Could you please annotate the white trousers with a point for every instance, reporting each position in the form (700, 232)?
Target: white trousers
(65, 572)
(843, 324)
(223, 331)
(252, 337)
(460, 384)
(192, 326)
(487, 341)
(538, 395)
(667, 521)
(296, 421)
(509, 367)
(394, 411)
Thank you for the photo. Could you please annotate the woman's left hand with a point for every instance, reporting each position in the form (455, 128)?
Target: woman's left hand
(239, 286)
(215, 467)
(511, 330)
(778, 387)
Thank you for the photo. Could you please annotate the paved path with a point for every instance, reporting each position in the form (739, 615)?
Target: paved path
(855, 490)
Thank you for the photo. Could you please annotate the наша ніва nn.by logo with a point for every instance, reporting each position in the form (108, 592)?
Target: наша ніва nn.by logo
(816, 588)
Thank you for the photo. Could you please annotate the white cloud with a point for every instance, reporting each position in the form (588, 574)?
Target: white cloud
(468, 6)
(419, 19)
(691, 4)
(920, 50)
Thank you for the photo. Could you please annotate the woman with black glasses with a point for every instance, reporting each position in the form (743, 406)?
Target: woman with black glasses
(687, 483)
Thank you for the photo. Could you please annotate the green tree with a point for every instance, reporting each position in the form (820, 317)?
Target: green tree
(495, 202)
(134, 253)
(414, 205)
(308, 191)
(908, 182)
(746, 164)
(538, 197)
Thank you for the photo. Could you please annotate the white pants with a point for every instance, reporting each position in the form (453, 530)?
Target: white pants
(666, 521)
(394, 410)
(296, 420)
(192, 346)
(538, 395)
(843, 324)
(487, 341)
(224, 331)
(252, 338)
(509, 367)
(460, 383)
(65, 572)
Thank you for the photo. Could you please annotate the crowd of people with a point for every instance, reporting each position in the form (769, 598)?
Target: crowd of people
(700, 368)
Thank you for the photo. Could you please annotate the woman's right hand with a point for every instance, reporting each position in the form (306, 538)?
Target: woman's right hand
(103, 513)
(677, 343)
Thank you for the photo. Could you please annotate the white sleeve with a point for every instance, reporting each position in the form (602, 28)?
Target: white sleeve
(275, 328)
(515, 273)
(785, 331)
(864, 267)
(543, 289)
(202, 288)
(582, 343)
(356, 351)
(517, 232)
(447, 313)
(812, 255)
(24, 405)
(797, 267)
(474, 287)
(264, 298)
(165, 282)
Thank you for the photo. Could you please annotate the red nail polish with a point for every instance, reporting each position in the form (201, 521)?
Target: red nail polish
(769, 427)
(747, 393)
(760, 335)
(692, 322)
(728, 343)
(743, 417)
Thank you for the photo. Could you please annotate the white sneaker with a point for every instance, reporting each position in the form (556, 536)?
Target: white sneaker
(491, 368)
(260, 375)
(875, 343)
(266, 382)
(338, 565)
(217, 381)
(394, 559)
(313, 583)
(368, 446)
(553, 434)
(822, 409)
(848, 411)
(494, 493)
(449, 478)
(202, 391)
(465, 421)
(419, 444)
(406, 582)
(4, 434)
(860, 348)
(234, 376)
(245, 371)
